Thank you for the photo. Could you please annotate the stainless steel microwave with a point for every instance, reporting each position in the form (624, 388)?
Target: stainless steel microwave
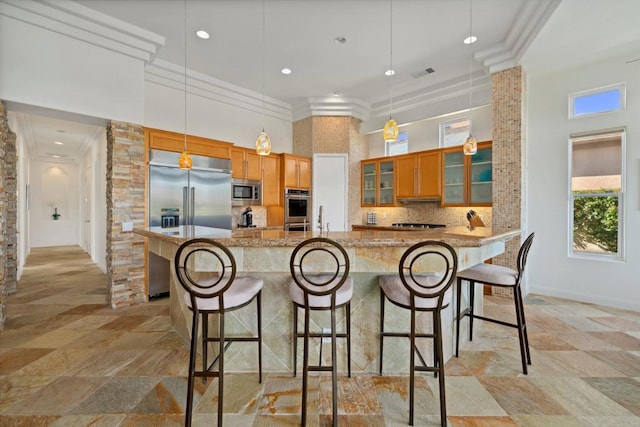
(246, 192)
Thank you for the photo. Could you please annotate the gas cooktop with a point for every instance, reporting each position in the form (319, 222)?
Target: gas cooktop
(416, 225)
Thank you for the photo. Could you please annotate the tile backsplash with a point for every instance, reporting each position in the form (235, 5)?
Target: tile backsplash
(427, 213)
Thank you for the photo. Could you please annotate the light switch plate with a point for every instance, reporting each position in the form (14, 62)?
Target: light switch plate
(127, 226)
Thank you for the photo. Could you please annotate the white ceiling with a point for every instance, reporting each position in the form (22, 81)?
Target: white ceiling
(543, 35)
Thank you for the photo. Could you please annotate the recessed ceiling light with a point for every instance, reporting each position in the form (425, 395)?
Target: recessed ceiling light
(58, 142)
(389, 72)
(286, 71)
(55, 156)
(340, 40)
(202, 34)
(336, 93)
(470, 40)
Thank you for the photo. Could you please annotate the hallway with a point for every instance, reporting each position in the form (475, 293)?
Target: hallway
(67, 359)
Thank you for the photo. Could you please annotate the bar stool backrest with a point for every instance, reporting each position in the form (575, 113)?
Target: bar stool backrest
(319, 266)
(205, 268)
(427, 269)
(522, 255)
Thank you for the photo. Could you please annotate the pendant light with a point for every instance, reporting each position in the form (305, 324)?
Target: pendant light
(263, 143)
(470, 145)
(185, 162)
(390, 131)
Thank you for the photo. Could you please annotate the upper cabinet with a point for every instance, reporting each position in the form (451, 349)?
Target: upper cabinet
(172, 141)
(418, 175)
(296, 171)
(467, 180)
(271, 190)
(378, 182)
(245, 164)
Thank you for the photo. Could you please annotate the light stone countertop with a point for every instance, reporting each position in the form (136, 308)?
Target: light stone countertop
(246, 237)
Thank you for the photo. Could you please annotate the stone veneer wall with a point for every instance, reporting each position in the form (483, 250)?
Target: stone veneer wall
(335, 134)
(8, 213)
(508, 95)
(125, 202)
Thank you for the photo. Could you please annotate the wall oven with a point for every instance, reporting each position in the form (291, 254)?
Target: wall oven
(297, 209)
(245, 192)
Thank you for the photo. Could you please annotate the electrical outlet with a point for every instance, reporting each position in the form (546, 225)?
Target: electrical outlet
(127, 226)
(326, 331)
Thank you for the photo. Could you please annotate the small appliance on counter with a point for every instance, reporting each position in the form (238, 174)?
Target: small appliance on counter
(246, 218)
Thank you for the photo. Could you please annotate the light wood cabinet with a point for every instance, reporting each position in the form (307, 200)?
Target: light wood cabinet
(378, 182)
(245, 164)
(418, 175)
(173, 141)
(467, 180)
(296, 171)
(272, 192)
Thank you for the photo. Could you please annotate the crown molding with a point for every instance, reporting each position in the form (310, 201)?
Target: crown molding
(73, 20)
(531, 18)
(331, 106)
(169, 75)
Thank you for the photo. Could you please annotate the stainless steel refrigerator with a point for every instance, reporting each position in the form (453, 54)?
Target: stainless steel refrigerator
(199, 196)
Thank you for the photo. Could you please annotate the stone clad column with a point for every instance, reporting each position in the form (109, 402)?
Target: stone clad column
(508, 95)
(125, 202)
(335, 134)
(8, 213)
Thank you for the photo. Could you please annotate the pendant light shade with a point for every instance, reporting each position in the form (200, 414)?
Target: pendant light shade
(390, 131)
(470, 146)
(185, 162)
(263, 144)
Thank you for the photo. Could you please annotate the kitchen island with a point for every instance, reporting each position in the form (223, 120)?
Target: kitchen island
(265, 254)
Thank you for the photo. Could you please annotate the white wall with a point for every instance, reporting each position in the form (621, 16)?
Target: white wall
(99, 158)
(550, 270)
(46, 69)
(164, 109)
(54, 184)
(425, 134)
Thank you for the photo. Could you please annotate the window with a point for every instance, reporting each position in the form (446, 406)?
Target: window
(399, 146)
(597, 195)
(454, 132)
(597, 101)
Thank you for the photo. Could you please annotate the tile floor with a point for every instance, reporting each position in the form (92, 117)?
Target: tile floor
(68, 360)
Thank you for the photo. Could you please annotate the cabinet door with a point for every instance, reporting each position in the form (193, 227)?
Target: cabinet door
(406, 173)
(369, 183)
(237, 163)
(454, 189)
(253, 166)
(304, 173)
(386, 173)
(271, 192)
(290, 172)
(429, 171)
(481, 180)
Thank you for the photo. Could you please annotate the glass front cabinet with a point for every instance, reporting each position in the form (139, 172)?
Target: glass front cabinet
(467, 180)
(378, 182)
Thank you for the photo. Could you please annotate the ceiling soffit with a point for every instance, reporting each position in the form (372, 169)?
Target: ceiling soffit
(87, 25)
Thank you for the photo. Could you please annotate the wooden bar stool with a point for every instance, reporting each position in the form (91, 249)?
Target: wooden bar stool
(206, 270)
(495, 275)
(426, 273)
(320, 281)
